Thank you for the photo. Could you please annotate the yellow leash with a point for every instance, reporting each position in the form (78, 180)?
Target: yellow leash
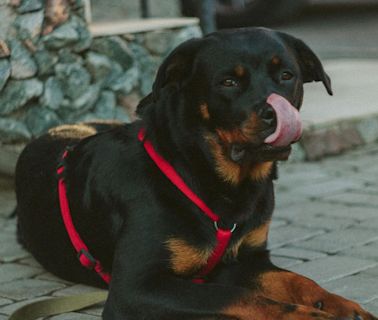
(54, 306)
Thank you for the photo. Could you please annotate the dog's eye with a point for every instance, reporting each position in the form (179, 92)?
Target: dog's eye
(230, 83)
(286, 75)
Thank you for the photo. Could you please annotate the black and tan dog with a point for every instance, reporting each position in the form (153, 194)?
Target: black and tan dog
(223, 110)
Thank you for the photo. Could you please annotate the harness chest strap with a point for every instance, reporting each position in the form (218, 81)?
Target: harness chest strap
(223, 236)
(85, 258)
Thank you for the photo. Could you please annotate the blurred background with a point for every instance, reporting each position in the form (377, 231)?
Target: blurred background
(334, 28)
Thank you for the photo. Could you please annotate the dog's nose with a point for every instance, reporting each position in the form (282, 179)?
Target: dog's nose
(268, 115)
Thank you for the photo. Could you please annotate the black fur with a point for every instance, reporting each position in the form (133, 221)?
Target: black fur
(126, 210)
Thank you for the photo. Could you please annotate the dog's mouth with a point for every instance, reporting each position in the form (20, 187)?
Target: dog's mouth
(274, 141)
(265, 152)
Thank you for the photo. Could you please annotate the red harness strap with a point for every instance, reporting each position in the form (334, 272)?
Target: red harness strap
(222, 236)
(85, 258)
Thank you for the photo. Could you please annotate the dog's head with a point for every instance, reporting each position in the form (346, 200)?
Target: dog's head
(242, 89)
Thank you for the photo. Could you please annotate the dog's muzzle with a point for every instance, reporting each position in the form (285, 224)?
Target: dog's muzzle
(288, 122)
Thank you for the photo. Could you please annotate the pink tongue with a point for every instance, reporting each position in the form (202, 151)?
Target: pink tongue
(289, 125)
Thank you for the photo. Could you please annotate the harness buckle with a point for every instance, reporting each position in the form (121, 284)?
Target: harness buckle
(86, 259)
(231, 230)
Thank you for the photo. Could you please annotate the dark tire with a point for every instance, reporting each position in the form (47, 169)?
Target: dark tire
(254, 12)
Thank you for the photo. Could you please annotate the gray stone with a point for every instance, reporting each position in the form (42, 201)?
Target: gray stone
(74, 78)
(326, 223)
(17, 93)
(105, 106)
(12, 271)
(9, 309)
(327, 187)
(5, 71)
(12, 131)
(319, 208)
(336, 241)
(28, 288)
(75, 289)
(360, 288)
(64, 35)
(9, 154)
(39, 120)
(22, 64)
(368, 129)
(4, 302)
(147, 65)
(298, 153)
(297, 253)
(281, 236)
(7, 16)
(116, 49)
(354, 198)
(372, 307)
(52, 96)
(122, 115)
(102, 69)
(29, 26)
(126, 82)
(11, 251)
(46, 61)
(369, 251)
(159, 42)
(85, 37)
(87, 100)
(186, 34)
(29, 6)
(332, 268)
(284, 262)
(67, 56)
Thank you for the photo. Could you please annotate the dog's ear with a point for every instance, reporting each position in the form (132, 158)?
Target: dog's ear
(311, 67)
(178, 67)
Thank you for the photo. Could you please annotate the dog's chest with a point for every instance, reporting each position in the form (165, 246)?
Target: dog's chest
(186, 259)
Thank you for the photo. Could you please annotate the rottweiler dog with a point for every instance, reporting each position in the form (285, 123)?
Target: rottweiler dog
(223, 110)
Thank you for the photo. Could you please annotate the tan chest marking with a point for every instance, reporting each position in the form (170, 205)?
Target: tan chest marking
(185, 258)
(204, 110)
(255, 238)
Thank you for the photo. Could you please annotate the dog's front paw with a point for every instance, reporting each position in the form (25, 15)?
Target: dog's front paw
(343, 309)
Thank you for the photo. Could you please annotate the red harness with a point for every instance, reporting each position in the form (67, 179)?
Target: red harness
(223, 236)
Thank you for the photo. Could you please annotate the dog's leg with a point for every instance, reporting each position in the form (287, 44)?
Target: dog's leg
(289, 287)
(169, 298)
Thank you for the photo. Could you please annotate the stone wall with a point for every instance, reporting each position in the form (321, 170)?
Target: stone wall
(53, 71)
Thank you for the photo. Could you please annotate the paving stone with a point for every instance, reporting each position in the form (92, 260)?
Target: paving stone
(360, 288)
(9, 309)
(333, 186)
(322, 222)
(3, 317)
(30, 261)
(369, 251)
(11, 251)
(22, 64)
(332, 268)
(5, 71)
(354, 199)
(336, 241)
(288, 234)
(372, 307)
(28, 288)
(297, 253)
(29, 26)
(277, 223)
(283, 262)
(4, 302)
(372, 271)
(7, 200)
(12, 271)
(75, 289)
(317, 208)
